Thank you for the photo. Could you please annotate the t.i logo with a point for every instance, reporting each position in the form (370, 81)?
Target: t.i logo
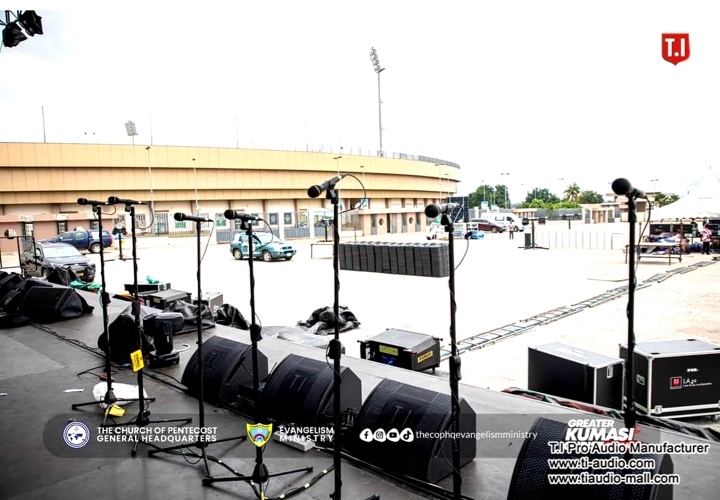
(675, 47)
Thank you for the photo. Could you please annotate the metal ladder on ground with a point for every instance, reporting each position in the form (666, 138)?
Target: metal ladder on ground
(497, 334)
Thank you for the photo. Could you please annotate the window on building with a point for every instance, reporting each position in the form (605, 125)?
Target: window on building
(220, 220)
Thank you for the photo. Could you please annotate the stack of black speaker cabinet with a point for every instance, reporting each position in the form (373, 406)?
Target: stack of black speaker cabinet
(411, 259)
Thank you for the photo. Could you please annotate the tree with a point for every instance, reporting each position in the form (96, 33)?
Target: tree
(589, 197)
(482, 193)
(572, 193)
(542, 194)
(502, 196)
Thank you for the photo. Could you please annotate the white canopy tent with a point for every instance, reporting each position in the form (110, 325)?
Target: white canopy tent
(701, 202)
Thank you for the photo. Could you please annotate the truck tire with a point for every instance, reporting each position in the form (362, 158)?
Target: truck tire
(94, 248)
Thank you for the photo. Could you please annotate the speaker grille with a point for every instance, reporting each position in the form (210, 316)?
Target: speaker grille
(227, 369)
(396, 406)
(529, 478)
(300, 391)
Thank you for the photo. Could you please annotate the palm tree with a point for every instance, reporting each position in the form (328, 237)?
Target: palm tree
(572, 193)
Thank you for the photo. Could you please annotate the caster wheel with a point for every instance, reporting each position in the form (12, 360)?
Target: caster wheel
(715, 418)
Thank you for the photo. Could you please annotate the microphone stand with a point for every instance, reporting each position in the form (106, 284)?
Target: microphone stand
(200, 443)
(143, 416)
(630, 414)
(109, 399)
(260, 474)
(455, 375)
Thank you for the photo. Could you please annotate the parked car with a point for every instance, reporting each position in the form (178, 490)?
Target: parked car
(487, 225)
(40, 258)
(266, 246)
(505, 218)
(570, 216)
(84, 240)
(474, 234)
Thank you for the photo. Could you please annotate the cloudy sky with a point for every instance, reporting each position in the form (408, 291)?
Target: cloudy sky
(541, 90)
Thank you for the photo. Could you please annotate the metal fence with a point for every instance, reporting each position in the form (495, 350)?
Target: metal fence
(580, 240)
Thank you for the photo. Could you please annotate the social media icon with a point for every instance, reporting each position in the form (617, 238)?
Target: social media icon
(380, 435)
(407, 435)
(393, 435)
(366, 435)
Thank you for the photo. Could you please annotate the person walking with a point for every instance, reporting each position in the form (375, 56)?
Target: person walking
(706, 239)
(511, 230)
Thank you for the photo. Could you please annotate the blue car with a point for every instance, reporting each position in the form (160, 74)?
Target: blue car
(475, 235)
(266, 246)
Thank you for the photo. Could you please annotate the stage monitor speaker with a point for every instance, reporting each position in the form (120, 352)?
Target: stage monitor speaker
(393, 407)
(228, 373)
(49, 304)
(299, 391)
(530, 477)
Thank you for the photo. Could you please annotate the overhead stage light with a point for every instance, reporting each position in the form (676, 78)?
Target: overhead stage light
(31, 22)
(12, 35)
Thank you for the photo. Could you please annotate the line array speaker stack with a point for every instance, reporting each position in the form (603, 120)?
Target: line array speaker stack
(393, 406)
(228, 373)
(411, 259)
(300, 391)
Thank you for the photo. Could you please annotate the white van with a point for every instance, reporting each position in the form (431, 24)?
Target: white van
(505, 218)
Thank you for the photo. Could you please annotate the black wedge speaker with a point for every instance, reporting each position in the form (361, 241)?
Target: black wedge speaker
(399, 429)
(50, 304)
(228, 373)
(299, 391)
(530, 477)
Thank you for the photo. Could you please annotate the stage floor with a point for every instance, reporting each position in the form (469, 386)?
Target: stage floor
(39, 363)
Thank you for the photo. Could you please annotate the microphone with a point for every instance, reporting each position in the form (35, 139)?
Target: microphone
(234, 214)
(114, 200)
(179, 216)
(433, 210)
(623, 187)
(315, 191)
(85, 201)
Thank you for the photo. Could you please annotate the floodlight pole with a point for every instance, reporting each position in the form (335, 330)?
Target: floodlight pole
(152, 195)
(378, 69)
(197, 205)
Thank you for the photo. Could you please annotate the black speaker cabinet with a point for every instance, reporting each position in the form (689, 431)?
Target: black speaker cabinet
(676, 378)
(49, 304)
(530, 476)
(300, 391)
(570, 372)
(394, 407)
(228, 373)
(10, 287)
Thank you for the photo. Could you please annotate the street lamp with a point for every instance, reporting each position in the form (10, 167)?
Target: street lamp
(654, 181)
(505, 186)
(197, 205)
(378, 69)
(337, 162)
(447, 178)
(439, 166)
(152, 196)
